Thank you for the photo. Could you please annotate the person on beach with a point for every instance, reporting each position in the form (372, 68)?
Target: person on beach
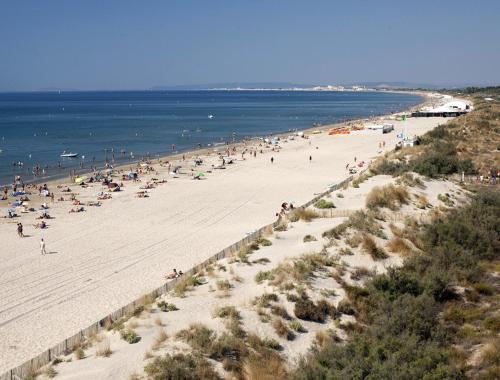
(20, 230)
(42, 247)
(310, 159)
(272, 160)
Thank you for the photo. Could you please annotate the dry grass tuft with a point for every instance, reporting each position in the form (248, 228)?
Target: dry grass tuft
(390, 196)
(223, 285)
(411, 180)
(422, 202)
(50, 371)
(266, 365)
(309, 238)
(79, 354)
(282, 329)
(370, 247)
(360, 273)
(103, 349)
(282, 226)
(186, 283)
(159, 340)
(399, 245)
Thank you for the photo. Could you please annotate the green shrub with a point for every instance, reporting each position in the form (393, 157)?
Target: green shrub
(165, 306)
(492, 323)
(309, 311)
(263, 276)
(389, 167)
(227, 312)
(324, 204)
(198, 336)
(130, 336)
(271, 343)
(180, 366)
(441, 159)
(309, 238)
(263, 241)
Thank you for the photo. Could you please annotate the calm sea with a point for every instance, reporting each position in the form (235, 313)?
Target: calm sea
(35, 128)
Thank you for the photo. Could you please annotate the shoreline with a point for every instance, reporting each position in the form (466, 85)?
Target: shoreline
(62, 179)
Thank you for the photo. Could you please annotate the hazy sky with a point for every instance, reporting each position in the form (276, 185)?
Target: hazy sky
(123, 44)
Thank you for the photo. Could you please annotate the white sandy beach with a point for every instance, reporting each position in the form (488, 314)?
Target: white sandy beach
(108, 256)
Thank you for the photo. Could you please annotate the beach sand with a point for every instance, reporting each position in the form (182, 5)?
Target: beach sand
(108, 256)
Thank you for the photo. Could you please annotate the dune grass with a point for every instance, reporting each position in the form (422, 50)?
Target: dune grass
(389, 196)
(399, 245)
(370, 247)
(103, 348)
(324, 204)
(186, 283)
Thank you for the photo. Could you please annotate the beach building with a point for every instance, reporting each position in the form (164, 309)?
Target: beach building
(450, 109)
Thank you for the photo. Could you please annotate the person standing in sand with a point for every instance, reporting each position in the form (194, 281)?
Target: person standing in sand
(272, 160)
(42, 247)
(20, 229)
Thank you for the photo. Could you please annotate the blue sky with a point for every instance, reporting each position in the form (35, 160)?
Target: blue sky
(125, 44)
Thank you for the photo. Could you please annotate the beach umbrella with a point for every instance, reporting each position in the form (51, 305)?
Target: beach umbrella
(79, 180)
(200, 174)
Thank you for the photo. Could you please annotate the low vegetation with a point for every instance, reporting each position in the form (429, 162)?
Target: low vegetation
(307, 310)
(186, 283)
(103, 348)
(324, 204)
(416, 325)
(389, 196)
(129, 336)
(166, 307)
(282, 329)
(180, 366)
(371, 248)
(399, 245)
(304, 214)
(309, 238)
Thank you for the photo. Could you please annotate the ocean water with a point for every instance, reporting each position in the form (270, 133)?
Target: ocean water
(35, 128)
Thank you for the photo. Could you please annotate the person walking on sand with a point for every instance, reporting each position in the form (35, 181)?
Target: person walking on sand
(42, 247)
(310, 159)
(20, 229)
(272, 160)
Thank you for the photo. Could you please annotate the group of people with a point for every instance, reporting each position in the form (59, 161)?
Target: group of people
(285, 208)
(174, 274)
(491, 179)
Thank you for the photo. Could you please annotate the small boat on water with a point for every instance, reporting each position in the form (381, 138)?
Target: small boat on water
(69, 155)
(211, 116)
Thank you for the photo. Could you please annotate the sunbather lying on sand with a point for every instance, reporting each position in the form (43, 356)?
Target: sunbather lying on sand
(41, 225)
(174, 274)
(77, 209)
(142, 194)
